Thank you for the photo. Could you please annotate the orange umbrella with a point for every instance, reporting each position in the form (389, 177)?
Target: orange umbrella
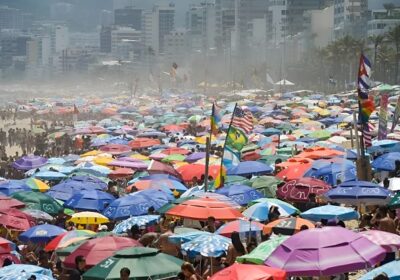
(196, 171)
(287, 226)
(173, 151)
(141, 143)
(319, 152)
(173, 128)
(202, 208)
(295, 171)
(294, 161)
(121, 173)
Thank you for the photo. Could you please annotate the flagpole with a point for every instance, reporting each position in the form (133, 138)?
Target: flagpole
(207, 163)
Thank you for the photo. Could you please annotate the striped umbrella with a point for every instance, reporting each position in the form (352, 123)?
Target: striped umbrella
(389, 241)
(259, 211)
(67, 238)
(212, 245)
(240, 226)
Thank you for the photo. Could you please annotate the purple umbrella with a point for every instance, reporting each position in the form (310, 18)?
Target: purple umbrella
(29, 162)
(137, 165)
(195, 157)
(324, 252)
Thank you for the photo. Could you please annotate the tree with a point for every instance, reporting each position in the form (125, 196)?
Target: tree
(394, 37)
(377, 41)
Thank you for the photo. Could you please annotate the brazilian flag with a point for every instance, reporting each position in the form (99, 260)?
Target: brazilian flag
(236, 139)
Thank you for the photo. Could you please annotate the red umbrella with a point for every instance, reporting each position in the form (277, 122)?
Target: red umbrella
(196, 171)
(115, 149)
(5, 246)
(240, 226)
(294, 171)
(121, 173)
(141, 143)
(9, 256)
(239, 271)
(159, 167)
(16, 219)
(174, 151)
(300, 189)
(173, 128)
(8, 202)
(98, 249)
(202, 208)
(320, 152)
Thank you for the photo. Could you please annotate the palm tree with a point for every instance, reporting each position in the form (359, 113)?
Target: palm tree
(377, 41)
(394, 37)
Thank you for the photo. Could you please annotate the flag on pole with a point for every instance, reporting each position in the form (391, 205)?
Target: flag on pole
(236, 139)
(215, 119)
(367, 129)
(243, 119)
(396, 115)
(366, 104)
(231, 157)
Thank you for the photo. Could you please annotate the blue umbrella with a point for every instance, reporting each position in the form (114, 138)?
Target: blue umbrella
(357, 192)
(12, 272)
(89, 201)
(259, 211)
(9, 187)
(392, 270)
(187, 236)
(271, 131)
(386, 162)
(241, 194)
(66, 189)
(335, 171)
(56, 160)
(140, 221)
(207, 245)
(246, 168)
(49, 175)
(136, 204)
(89, 179)
(96, 170)
(330, 212)
(41, 233)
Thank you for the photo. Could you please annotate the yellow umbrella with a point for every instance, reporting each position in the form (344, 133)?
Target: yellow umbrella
(139, 156)
(88, 218)
(103, 160)
(91, 153)
(203, 139)
(37, 185)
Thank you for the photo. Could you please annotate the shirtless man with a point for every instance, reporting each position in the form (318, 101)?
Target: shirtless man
(383, 221)
(165, 245)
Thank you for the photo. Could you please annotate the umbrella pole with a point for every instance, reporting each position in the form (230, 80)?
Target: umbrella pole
(356, 132)
(211, 266)
(207, 164)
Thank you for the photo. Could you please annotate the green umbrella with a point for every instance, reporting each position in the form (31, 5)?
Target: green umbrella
(145, 263)
(267, 185)
(234, 179)
(39, 201)
(174, 157)
(395, 202)
(263, 250)
(249, 148)
(272, 158)
(286, 127)
(285, 151)
(320, 134)
(195, 119)
(66, 251)
(168, 206)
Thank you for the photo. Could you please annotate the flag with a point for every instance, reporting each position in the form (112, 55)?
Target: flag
(242, 119)
(269, 79)
(367, 129)
(215, 120)
(365, 104)
(236, 139)
(221, 177)
(396, 115)
(382, 132)
(231, 158)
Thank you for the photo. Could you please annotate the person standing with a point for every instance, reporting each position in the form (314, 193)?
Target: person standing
(77, 272)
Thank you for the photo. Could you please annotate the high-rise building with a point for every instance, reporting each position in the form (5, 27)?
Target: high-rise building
(297, 20)
(350, 18)
(128, 17)
(382, 21)
(10, 18)
(126, 43)
(120, 4)
(225, 23)
(61, 38)
(106, 18)
(105, 39)
(176, 46)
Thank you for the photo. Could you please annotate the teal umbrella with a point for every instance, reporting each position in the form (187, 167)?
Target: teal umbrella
(263, 250)
(267, 185)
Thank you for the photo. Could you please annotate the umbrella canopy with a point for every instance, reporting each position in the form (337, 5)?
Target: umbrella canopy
(299, 190)
(67, 238)
(357, 192)
(39, 201)
(246, 168)
(89, 201)
(25, 271)
(259, 211)
(141, 143)
(207, 245)
(240, 226)
(267, 185)
(395, 201)
(318, 252)
(38, 214)
(386, 162)
(8, 202)
(389, 241)
(97, 249)
(150, 183)
(186, 236)
(37, 185)
(140, 221)
(392, 270)
(330, 212)
(89, 218)
(66, 189)
(41, 233)
(262, 251)
(115, 149)
(287, 226)
(15, 219)
(241, 194)
(202, 208)
(12, 186)
(156, 167)
(29, 162)
(191, 172)
(249, 272)
(148, 263)
(49, 175)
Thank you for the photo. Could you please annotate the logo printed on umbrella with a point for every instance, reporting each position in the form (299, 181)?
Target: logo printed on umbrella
(41, 232)
(107, 263)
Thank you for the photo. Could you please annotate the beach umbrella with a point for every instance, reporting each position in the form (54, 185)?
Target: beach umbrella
(93, 169)
(266, 185)
(195, 157)
(37, 185)
(319, 252)
(24, 271)
(386, 162)
(334, 172)
(12, 186)
(39, 215)
(395, 201)
(148, 263)
(140, 221)
(89, 218)
(49, 175)
(240, 226)
(67, 238)
(88, 179)
(357, 192)
(89, 201)
(136, 165)
(239, 271)
(391, 269)
(41, 233)
(287, 226)
(171, 184)
(246, 168)
(259, 210)
(6, 246)
(330, 212)
(136, 204)
(142, 143)
(15, 219)
(121, 173)
(29, 162)
(190, 172)
(389, 241)
(208, 245)
(241, 194)
(202, 208)
(98, 249)
(299, 190)
(179, 238)
(66, 189)
(115, 149)
(39, 201)
(262, 251)
(156, 167)
(8, 202)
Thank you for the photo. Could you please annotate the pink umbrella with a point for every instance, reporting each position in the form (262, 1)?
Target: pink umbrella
(389, 241)
(300, 189)
(137, 165)
(115, 149)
